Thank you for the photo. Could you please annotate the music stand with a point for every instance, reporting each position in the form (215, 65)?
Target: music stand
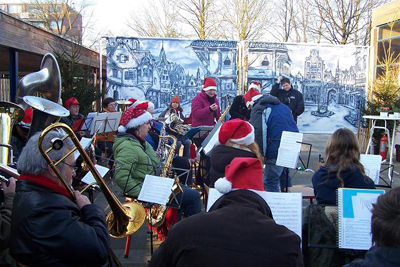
(390, 168)
(105, 122)
(87, 125)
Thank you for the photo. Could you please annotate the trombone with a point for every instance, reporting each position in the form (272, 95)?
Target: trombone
(124, 219)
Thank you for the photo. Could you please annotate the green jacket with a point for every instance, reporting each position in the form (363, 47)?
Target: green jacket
(134, 161)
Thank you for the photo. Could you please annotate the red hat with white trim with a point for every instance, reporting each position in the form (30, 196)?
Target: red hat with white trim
(145, 105)
(256, 85)
(134, 102)
(237, 131)
(209, 84)
(251, 96)
(242, 173)
(132, 118)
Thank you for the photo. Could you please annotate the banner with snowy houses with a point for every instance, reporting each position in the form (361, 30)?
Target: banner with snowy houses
(331, 78)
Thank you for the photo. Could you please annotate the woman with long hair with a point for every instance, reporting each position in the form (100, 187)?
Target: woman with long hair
(235, 139)
(342, 168)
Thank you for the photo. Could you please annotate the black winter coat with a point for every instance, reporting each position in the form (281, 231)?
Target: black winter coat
(238, 231)
(325, 183)
(239, 110)
(378, 257)
(221, 156)
(292, 98)
(48, 229)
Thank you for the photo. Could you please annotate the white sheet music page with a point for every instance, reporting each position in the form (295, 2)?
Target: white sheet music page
(84, 143)
(289, 149)
(213, 195)
(156, 189)
(88, 178)
(372, 166)
(286, 209)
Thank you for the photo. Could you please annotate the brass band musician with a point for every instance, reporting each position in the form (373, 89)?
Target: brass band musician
(48, 228)
(135, 158)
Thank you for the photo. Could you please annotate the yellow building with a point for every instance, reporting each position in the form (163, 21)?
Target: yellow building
(381, 33)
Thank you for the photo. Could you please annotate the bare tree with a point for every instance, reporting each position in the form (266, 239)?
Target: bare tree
(199, 15)
(285, 22)
(156, 19)
(340, 22)
(61, 16)
(244, 19)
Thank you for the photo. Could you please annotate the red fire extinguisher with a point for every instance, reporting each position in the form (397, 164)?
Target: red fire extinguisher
(383, 147)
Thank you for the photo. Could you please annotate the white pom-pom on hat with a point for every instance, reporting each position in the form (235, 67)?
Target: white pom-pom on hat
(223, 185)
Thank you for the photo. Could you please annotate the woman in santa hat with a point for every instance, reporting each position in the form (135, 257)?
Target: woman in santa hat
(135, 158)
(174, 119)
(235, 139)
(239, 110)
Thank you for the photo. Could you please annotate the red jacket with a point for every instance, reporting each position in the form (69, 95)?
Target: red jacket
(201, 112)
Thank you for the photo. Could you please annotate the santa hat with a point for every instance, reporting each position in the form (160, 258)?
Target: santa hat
(256, 85)
(237, 131)
(145, 105)
(71, 101)
(176, 99)
(26, 122)
(134, 102)
(209, 84)
(132, 118)
(242, 173)
(251, 96)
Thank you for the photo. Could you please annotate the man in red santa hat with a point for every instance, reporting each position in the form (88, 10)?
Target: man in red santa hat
(238, 230)
(239, 110)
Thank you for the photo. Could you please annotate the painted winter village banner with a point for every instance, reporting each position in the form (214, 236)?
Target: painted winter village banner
(332, 79)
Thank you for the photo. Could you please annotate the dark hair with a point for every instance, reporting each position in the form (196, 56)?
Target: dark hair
(342, 152)
(179, 107)
(285, 80)
(386, 220)
(107, 101)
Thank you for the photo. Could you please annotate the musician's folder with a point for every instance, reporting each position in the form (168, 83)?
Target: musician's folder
(156, 189)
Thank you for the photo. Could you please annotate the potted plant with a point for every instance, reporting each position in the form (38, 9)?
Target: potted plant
(395, 109)
(383, 111)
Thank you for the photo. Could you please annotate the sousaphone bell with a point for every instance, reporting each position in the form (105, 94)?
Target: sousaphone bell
(45, 112)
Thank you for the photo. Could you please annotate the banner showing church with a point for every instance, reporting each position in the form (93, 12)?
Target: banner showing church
(332, 79)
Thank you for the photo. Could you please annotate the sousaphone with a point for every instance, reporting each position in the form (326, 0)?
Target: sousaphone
(45, 83)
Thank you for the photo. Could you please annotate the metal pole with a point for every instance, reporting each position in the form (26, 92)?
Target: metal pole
(101, 73)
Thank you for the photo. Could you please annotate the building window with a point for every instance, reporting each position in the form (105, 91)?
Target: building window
(55, 8)
(129, 75)
(33, 8)
(14, 9)
(54, 26)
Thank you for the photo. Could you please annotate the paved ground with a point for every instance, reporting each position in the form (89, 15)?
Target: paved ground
(140, 243)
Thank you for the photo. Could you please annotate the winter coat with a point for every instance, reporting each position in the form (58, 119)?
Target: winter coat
(279, 119)
(292, 98)
(201, 112)
(378, 257)
(325, 183)
(75, 123)
(5, 220)
(238, 231)
(221, 156)
(239, 110)
(134, 160)
(48, 229)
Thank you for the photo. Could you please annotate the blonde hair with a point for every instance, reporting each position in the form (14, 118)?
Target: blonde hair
(253, 147)
(342, 151)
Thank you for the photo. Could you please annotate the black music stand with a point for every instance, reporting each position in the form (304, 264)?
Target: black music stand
(390, 168)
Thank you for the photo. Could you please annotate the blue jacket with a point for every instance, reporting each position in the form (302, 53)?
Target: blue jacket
(325, 183)
(378, 256)
(270, 119)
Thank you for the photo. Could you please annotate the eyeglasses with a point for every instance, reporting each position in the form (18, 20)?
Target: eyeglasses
(73, 167)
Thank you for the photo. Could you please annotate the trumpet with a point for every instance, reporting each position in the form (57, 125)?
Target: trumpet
(124, 219)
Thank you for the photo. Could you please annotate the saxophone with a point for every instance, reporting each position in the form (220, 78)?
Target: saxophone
(222, 117)
(157, 216)
(160, 152)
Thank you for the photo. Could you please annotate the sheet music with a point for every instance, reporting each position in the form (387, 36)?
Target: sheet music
(213, 140)
(372, 166)
(354, 206)
(84, 143)
(88, 122)
(289, 149)
(286, 208)
(213, 196)
(106, 122)
(88, 178)
(156, 189)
